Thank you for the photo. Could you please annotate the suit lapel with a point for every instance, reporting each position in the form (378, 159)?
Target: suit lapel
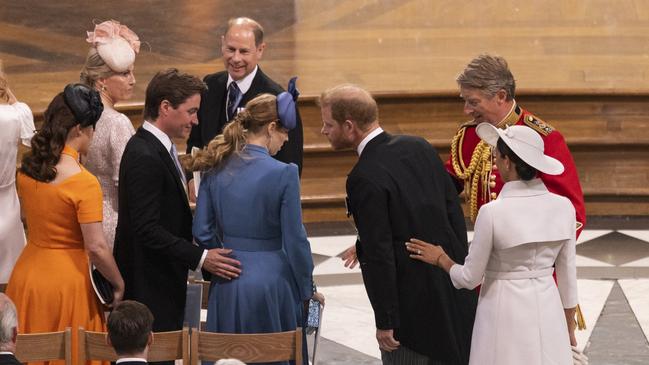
(165, 157)
(214, 127)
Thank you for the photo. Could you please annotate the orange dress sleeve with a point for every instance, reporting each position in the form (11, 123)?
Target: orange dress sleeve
(88, 199)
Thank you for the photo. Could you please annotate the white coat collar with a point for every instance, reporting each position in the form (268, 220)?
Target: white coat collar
(523, 188)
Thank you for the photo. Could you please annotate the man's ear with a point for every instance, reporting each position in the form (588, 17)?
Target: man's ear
(150, 341)
(164, 108)
(14, 334)
(260, 49)
(501, 96)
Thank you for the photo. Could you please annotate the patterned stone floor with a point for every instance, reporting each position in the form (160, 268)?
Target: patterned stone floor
(613, 279)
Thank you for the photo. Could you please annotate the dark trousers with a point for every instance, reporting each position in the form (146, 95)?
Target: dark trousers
(405, 356)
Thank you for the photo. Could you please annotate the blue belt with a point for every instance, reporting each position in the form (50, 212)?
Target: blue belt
(252, 244)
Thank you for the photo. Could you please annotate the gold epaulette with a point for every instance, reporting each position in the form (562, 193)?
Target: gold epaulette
(538, 125)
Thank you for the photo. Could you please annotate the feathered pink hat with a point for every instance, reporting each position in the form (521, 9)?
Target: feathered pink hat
(116, 44)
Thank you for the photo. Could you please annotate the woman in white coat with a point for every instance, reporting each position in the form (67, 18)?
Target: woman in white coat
(520, 239)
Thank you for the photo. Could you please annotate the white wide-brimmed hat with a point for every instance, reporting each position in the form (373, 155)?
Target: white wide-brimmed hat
(525, 143)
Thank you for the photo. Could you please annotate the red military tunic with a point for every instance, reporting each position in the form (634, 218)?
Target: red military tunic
(471, 164)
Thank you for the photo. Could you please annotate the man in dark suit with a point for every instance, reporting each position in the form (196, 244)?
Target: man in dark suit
(399, 189)
(130, 332)
(228, 91)
(8, 331)
(153, 243)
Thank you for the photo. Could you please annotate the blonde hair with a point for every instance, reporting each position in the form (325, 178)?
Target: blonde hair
(259, 112)
(94, 68)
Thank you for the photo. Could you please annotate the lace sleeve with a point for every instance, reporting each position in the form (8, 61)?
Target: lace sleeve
(122, 130)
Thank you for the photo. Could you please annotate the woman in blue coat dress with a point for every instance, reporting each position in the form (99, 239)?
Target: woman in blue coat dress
(250, 203)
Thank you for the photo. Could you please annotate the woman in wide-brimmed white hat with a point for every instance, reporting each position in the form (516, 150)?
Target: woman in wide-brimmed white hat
(520, 239)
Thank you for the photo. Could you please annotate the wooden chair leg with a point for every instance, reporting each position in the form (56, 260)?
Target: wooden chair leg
(298, 346)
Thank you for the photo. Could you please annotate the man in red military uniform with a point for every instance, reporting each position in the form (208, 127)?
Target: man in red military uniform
(487, 87)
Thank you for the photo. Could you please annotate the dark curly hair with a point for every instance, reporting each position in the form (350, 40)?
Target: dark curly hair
(48, 142)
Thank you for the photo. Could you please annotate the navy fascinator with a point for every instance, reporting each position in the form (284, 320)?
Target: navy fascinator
(286, 105)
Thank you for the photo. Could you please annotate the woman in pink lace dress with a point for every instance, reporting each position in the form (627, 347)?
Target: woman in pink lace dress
(109, 69)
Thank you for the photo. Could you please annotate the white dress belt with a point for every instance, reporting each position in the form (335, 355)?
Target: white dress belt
(518, 275)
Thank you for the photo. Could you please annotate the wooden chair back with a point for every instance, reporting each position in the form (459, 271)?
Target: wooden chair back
(173, 345)
(45, 346)
(206, 291)
(259, 347)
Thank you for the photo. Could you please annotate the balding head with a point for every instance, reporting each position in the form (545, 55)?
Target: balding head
(244, 23)
(8, 324)
(350, 102)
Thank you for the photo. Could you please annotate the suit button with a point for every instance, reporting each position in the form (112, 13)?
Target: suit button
(492, 184)
(494, 196)
(492, 177)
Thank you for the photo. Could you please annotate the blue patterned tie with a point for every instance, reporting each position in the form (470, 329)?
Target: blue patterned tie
(233, 99)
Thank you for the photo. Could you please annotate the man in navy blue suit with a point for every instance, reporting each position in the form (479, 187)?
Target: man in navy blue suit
(153, 240)
(228, 91)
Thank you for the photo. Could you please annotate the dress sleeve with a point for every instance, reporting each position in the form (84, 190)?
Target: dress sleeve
(294, 240)
(120, 132)
(26, 122)
(88, 199)
(471, 273)
(204, 225)
(566, 270)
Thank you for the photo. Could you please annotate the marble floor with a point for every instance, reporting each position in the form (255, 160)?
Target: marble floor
(613, 280)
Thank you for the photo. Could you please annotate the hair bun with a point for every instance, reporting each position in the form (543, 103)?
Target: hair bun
(84, 102)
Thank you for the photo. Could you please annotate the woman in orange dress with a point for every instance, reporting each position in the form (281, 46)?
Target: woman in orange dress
(62, 204)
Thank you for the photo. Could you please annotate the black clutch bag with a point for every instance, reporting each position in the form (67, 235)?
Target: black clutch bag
(103, 288)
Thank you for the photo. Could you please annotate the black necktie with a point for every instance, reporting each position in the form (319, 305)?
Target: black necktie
(233, 95)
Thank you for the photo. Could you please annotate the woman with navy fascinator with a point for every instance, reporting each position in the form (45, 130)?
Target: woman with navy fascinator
(250, 203)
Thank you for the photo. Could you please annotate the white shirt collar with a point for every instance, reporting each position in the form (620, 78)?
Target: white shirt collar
(368, 138)
(6, 353)
(130, 359)
(244, 83)
(160, 135)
